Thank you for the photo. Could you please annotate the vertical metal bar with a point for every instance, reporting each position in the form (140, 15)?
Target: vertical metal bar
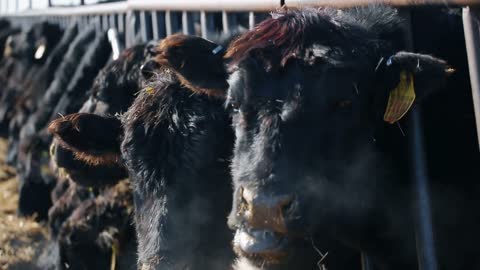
(105, 25)
(187, 28)
(129, 28)
(99, 22)
(168, 22)
(367, 263)
(185, 23)
(143, 26)
(423, 213)
(225, 22)
(251, 20)
(472, 41)
(30, 4)
(17, 6)
(112, 23)
(203, 24)
(121, 22)
(233, 21)
(148, 26)
(135, 27)
(155, 25)
(424, 227)
(176, 22)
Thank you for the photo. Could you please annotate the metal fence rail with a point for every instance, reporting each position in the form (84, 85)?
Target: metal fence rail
(142, 20)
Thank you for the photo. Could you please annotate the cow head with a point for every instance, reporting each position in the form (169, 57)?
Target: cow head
(93, 235)
(35, 44)
(176, 142)
(75, 149)
(311, 92)
(116, 85)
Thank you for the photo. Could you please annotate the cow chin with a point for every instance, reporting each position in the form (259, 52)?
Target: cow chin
(261, 247)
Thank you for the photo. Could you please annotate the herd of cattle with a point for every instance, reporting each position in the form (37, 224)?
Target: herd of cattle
(131, 158)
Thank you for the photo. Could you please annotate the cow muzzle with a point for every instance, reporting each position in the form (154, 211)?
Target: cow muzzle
(265, 224)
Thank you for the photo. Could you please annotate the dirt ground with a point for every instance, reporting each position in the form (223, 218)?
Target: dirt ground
(20, 238)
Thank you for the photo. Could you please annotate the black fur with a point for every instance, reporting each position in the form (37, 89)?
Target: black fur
(176, 146)
(308, 90)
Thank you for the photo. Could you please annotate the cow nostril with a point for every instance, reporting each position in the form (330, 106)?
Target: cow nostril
(245, 202)
(287, 205)
(247, 196)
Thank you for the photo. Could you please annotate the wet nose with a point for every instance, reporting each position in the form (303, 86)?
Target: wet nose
(266, 211)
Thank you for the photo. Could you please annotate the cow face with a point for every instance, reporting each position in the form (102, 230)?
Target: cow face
(113, 92)
(175, 144)
(34, 44)
(308, 90)
(115, 87)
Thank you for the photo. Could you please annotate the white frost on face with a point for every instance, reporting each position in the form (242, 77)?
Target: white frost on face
(244, 264)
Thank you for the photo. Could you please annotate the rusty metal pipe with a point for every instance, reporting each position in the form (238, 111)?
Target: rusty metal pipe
(203, 24)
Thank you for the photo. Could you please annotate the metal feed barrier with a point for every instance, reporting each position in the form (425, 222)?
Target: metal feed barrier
(143, 20)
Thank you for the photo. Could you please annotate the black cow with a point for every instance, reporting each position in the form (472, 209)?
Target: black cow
(28, 50)
(36, 181)
(98, 233)
(28, 99)
(92, 192)
(311, 91)
(176, 142)
(113, 92)
(66, 197)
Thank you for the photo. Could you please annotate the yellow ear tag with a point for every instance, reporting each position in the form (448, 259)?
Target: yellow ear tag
(40, 51)
(149, 90)
(400, 99)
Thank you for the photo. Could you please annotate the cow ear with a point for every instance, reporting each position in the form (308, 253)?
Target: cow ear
(411, 77)
(198, 63)
(93, 138)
